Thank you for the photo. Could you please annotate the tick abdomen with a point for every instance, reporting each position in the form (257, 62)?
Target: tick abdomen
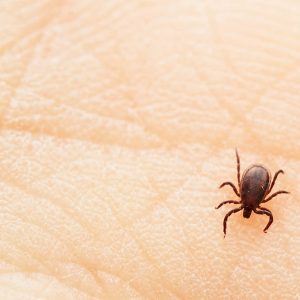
(254, 185)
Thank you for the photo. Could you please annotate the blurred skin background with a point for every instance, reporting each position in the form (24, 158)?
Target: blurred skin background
(119, 121)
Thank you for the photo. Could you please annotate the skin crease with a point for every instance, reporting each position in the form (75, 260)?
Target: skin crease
(119, 121)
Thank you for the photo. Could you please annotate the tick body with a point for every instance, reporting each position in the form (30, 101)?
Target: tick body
(253, 190)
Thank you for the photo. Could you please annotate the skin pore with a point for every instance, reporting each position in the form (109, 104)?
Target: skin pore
(119, 121)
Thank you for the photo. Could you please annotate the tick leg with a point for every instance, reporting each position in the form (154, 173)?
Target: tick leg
(227, 202)
(274, 180)
(268, 213)
(263, 208)
(233, 187)
(274, 195)
(227, 216)
(238, 167)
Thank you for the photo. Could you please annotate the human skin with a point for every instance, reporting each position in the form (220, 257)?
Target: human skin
(119, 121)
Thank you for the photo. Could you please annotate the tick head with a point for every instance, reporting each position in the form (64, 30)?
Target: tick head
(247, 212)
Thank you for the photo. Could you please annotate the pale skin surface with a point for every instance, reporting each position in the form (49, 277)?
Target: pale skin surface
(119, 121)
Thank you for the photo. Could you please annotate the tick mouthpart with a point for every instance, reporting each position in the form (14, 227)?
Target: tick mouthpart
(247, 212)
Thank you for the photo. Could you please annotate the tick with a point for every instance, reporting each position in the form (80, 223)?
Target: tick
(254, 187)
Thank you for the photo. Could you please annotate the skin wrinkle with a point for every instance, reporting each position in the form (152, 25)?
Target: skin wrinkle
(22, 35)
(24, 290)
(169, 208)
(51, 271)
(96, 115)
(139, 122)
(88, 141)
(132, 111)
(84, 227)
(139, 68)
(22, 250)
(158, 200)
(125, 282)
(59, 101)
(189, 250)
(277, 81)
(66, 244)
(168, 286)
(176, 216)
(27, 61)
(63, 208)
(9, 268)
(219, 41)
(142, 127)
(240, 80)
(242, 120)
(230, 109)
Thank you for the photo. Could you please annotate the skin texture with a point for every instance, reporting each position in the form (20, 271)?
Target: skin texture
(119, 121)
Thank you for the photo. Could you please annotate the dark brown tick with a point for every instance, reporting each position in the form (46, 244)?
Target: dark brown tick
(253, 190)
